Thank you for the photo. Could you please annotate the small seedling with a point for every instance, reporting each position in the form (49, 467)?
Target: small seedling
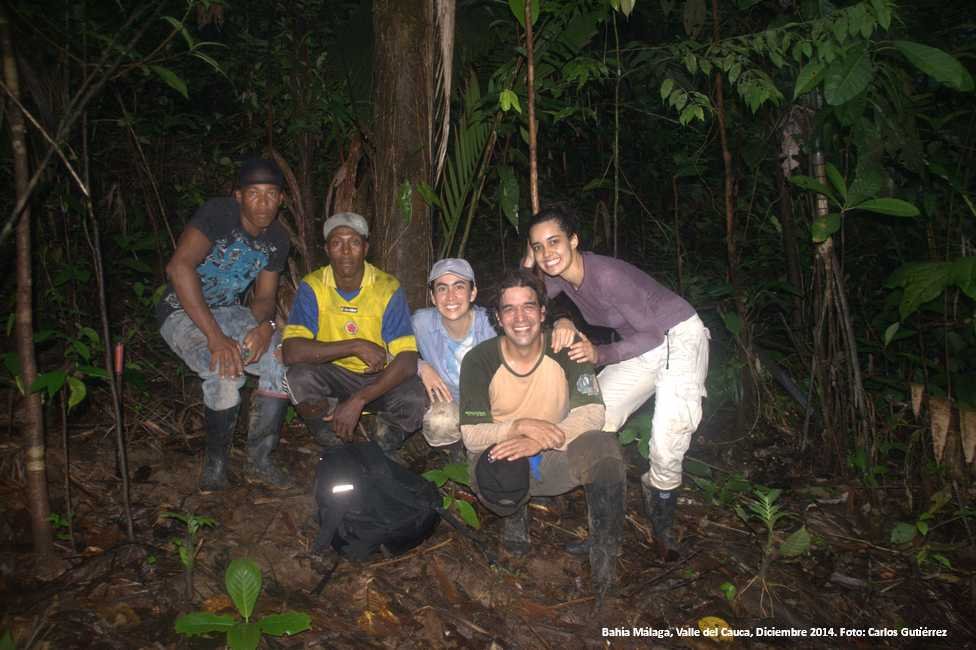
(455, 473)
(189, 546)
(243, 582)
(728, 590)
(61, 526)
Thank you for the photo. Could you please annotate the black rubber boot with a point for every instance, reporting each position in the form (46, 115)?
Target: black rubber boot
(456, 453)
(605, 513)
(322, 432)
(515, 531)
(267, 416)
(390, 438)
(660, 506)
(220, 433)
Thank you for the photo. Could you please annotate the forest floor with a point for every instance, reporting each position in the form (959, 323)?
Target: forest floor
(106, 592)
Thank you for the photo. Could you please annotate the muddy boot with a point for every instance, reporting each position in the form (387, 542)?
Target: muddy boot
(515, 531)
(390, 439)
(220, 433)
(322, 432)
(267, 416)
(605, 515)
(456, 453)
(660, 506)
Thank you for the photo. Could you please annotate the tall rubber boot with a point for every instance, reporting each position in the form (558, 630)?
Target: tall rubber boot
(390, 439)
(660, 506)
(312, 414)
(605, 514)
(266, 418)
(322, 432)
(515, 531)
(220, 434)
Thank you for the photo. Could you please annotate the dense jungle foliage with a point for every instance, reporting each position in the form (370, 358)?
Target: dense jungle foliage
(802, 171)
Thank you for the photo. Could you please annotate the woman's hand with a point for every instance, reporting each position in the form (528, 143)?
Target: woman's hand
(563, 334)
(436, 389)
(583, 351)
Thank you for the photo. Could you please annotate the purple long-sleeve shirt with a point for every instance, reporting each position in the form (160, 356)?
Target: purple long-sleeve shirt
(620, 296)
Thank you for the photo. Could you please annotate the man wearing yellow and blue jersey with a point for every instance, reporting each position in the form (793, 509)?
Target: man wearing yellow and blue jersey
(349, 344)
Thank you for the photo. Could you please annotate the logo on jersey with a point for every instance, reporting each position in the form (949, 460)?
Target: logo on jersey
(586, 384)
(351, 328)
(349, 310)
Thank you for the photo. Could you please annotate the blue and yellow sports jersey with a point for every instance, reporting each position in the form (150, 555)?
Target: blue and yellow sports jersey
(377, 312)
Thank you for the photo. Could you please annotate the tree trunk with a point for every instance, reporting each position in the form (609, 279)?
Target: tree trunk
(33, 415)
(403, 96)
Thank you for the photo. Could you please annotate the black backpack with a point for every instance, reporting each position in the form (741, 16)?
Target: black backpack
(366, 501)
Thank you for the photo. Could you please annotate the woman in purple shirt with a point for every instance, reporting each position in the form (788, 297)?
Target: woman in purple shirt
(663, 350)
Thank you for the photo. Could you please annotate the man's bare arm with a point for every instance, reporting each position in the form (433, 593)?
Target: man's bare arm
(192, 248)
(299, 350)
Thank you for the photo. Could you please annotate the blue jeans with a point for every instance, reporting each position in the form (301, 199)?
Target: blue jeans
(190, 344)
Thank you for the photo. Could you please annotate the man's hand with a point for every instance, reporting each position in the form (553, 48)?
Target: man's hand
(257, 341)
(225, 356)
(515, 448)
(563, 334)
(436, 389)
(583, 351)
(547, 434)
(372, 355)
(345, 417)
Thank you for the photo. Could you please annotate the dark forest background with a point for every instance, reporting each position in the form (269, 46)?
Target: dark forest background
(800, 170)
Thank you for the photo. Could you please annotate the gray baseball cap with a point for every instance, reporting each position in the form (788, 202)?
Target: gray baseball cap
(454, 265)
(348, 219)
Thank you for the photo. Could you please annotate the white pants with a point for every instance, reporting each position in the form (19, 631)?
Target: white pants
(676, 371)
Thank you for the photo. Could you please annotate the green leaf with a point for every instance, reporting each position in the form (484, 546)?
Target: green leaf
(76, 392)
(243, 581)
(436, 476)
(922, 527)
(922, 282)
(809, 78)
(171, 79)
(866, 185)
(427, 194)
(181, 28)
(824, 227)
(666, 87)
(644, 445)
(902, 533)
(627, 7)
(198, 623)
(508, 194)
(813, 185)
(457, 472)
(796, 544)
(882, 12)
(627, 435)
(893, 207)
(507, 100)
(837, 180)
(468, 514)
(93, 371)
(244, 636)
(285, 624)
(732, 322)
(848, 76)
(697, 468)
(964, 275)
(518, 10)
(404, 200)
(939, 65)
(49, 381)
(890, 333)
(728, 590)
